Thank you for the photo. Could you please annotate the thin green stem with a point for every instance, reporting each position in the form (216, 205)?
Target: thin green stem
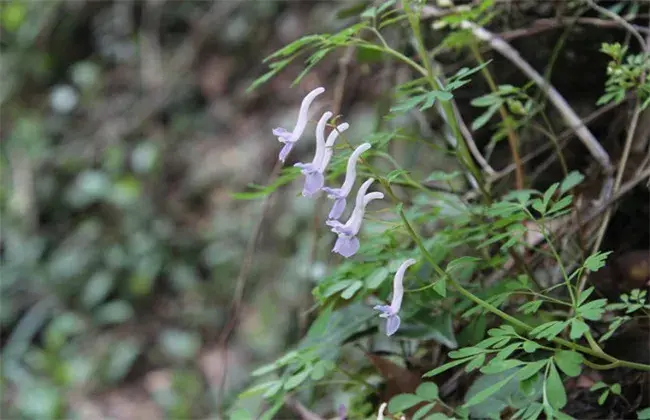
(509, 318)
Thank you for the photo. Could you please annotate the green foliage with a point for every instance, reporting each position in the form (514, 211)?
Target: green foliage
(626, 72)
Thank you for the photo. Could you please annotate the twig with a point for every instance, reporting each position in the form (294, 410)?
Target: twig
(471, 144)
(563, 138)
(547, 24)
(624, 189)
(569, 115)
(620, 21)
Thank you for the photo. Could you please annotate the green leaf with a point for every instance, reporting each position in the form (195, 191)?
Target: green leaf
(115, 312)
(294, 46)
(403, 402)
(320, 369)
(474, 331)
(549, 330)
(428, 391)
(276, 68)
(318, 328)
(596, 261)
(593, 310)
(555, 389)
(240, 414)
(531, 307)
(476, 363)
(395, 174)
(461, 262)
(430, 98)
(466, 352)
(503, 331)
(578, 328)
(485, 393)
(644, 414)
(258, 389)
(352, 289)
(408, 104)
(445, 367)
(584, 295)
(498, 366)
(377, 277)
(616, 389)
(97, 288)
(442, 416)
(569, 362)
(485, 117)
(531, 346)
(426, 326)
(437, 176)
(337, 287)
(314, 59)
(297, 379)
(549, 194)
(272, 389)
(572, 179)
(603, 397)
(486, 100)
(121, 359)
(422, 411)
(531, 369)
(180, 344)
(561, 204)
(440, 287)
(505, 352)
(598, 385)
(287, 358)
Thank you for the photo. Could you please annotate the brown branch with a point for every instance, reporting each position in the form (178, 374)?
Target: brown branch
(568, 114)
(547, 24)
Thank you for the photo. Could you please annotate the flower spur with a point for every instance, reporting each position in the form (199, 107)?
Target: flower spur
(289, 138)
(390, 311)
(347, 243)
(340, 194)
(314, 171)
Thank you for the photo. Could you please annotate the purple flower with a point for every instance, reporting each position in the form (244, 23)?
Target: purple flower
(314, 178)
(314, 171)
(329, 144)
(340, 194)
(290, 138)
(343, 412)
(390, 311)
(347, 243)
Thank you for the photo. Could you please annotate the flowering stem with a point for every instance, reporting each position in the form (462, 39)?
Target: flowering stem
(614, 362)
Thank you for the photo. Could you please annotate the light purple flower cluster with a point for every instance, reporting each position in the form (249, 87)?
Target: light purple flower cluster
(347, 243)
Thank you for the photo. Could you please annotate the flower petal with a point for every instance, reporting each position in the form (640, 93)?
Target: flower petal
(282, 134)
(346, 246)
(392, 324)
(313, 183)
(337, 209)
(332, 192)
(285, 151)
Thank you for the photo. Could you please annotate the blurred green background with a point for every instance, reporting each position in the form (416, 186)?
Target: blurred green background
(125, 128)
